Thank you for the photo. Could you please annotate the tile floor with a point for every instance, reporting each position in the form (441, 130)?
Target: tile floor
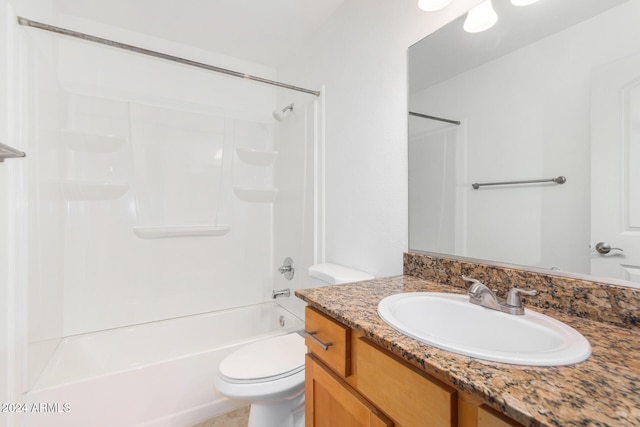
(237, 418)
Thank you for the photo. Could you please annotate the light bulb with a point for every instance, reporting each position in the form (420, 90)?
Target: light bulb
(480, 18)
(522, 2)
(432, 5)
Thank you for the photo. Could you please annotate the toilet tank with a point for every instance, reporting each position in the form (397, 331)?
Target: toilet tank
(334, 274)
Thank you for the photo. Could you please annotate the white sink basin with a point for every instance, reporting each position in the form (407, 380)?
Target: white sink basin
(451, 322)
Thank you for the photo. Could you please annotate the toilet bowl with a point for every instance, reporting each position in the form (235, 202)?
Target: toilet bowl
(270, 373)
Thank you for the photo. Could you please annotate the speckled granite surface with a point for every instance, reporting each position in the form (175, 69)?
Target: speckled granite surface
(602, 391)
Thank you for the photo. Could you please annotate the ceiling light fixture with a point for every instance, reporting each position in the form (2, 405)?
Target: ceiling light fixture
(433, 5)
(480, 18)
(522, 2)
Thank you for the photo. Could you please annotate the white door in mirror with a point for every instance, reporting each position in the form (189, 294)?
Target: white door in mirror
(615, 170)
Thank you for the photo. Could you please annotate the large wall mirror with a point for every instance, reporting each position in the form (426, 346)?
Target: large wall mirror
(552, 93)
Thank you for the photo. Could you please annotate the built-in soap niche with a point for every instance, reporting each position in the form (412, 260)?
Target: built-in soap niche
(181, 167)
(97, 156)
(253, 175)
(256, 195)
(91, 142)
(160, 232)
(257, 157)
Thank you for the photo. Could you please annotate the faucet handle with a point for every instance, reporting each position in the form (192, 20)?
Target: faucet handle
(513, 297)
(475, 283)
(476, 286)
(471, 279)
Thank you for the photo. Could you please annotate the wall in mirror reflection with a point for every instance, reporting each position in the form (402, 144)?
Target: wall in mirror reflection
(525, 115)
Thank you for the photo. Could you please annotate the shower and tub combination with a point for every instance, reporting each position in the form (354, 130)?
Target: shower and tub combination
(162, 196)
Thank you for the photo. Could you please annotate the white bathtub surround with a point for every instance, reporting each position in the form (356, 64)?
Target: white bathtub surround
(158, 374)
(132, 212)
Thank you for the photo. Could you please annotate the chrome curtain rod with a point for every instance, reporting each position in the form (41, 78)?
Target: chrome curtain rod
(440, 119)
(558, 180)
(7, 152)
(107, 42)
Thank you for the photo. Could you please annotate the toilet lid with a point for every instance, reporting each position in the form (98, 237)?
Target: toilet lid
(265, 360)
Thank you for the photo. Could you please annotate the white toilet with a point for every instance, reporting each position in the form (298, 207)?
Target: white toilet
(270, 373)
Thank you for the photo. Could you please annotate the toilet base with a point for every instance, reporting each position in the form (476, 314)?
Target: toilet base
(284, 413)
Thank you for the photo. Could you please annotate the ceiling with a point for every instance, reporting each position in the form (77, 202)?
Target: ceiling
(262, 31)
(455, 51)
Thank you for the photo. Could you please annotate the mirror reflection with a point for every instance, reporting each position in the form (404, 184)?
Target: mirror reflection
(551, 90)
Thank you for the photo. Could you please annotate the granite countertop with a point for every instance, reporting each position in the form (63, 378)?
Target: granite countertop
(601, 391)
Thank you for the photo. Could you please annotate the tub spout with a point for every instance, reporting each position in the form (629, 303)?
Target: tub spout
(281, 293)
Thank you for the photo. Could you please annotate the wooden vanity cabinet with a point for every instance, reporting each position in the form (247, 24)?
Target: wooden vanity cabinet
(351, 381)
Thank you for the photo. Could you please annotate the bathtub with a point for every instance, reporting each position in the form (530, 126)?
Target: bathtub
(158, 374)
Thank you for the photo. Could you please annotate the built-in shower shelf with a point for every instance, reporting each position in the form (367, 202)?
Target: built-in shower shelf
(256, 157)
(90, 142)
(256, 195)
(87, 191)
(167, 231)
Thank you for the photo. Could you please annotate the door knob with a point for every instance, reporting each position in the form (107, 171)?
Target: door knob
(605, 248)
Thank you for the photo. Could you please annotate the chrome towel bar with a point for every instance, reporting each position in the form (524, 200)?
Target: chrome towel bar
(440, 119)
(558, 180)
(7, 152)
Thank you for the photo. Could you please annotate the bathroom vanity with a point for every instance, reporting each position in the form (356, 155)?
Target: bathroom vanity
(357, 382)
(372, 375)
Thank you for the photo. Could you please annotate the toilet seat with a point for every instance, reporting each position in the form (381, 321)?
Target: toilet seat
(266, 360)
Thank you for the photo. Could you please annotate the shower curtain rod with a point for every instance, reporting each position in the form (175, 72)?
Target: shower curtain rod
(107, 42)
(440, 119)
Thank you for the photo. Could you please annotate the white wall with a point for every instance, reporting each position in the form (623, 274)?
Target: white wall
(537, 126)
(360, 56)
(5, 285)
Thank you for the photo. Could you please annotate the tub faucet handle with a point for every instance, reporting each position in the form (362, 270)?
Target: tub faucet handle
(287, 268)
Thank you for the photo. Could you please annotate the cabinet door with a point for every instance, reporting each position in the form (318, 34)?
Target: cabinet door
(330, 402)
(488, 417)
(410, 397)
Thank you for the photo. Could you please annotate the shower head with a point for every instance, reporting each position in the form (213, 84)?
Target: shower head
(280, 115)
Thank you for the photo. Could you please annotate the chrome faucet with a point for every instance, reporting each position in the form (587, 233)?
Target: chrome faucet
(481, 295)
(281, 293)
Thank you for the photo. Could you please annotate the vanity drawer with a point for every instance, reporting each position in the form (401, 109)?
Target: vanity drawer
(329, 341)
(409, 396)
